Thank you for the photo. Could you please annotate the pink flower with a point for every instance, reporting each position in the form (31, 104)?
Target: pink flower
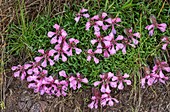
(20, 71)
(72, 45)
(75, 82)
(158, 69)
(100, 40)
(106, 82)
(35, 68)
(166, 41)
(113, 43)
(106, 99)
(130, 35)
(62, 87)
(92, 54)
(45, 56)
(150, 78)
(120, 79)
(95, 99)
(113, 22)
(154, 24)
(57, 35)
(61, 49)
(82, 13)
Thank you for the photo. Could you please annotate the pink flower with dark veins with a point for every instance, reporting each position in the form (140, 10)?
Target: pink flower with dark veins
(95, 99)
(72, 45)
(45, 56)
(35, 68)
(166, 41)
(161, 27)
(113, 43)
(119, 79)
(61, 50)
(57, 35)
(106, 99)
(62, 87)
(75, 82)
(113, 22)
(82, 13)
(20, 71)
(100, 40)
(158, 69)
(131, 35)
(91, 54)
(106, 82)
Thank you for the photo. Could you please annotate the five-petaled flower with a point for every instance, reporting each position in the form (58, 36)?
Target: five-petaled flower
(106, 82)
(113, 22)
(154, 24)
(106, 99)
(46, 56)
(119, 78)
(72, 45)
(91, 54)
(82, 13)
(57, 35)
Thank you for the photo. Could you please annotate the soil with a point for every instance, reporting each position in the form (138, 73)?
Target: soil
(19, 98)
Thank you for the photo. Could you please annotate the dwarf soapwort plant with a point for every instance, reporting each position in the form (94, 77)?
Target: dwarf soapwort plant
(166, 42)
(161, 27)
(83, 13)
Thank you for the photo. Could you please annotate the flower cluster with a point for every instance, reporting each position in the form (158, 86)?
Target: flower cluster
(82, 13)
(40, 81)
(108, 81)
(37, 76)
(109, 45)
(62, 47)
(161, 27)
(156, 75)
